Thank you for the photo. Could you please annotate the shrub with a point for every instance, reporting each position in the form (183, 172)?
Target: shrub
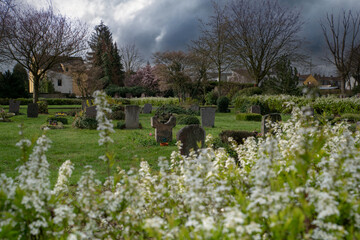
(223, 104)
(211, 98)
(249, 92)
(183, 119)
(249, 117)
(72, 112)
(84, 122)
(120, 125)
(58, 119)
(43, 106)
(118, 115)
(237, 136)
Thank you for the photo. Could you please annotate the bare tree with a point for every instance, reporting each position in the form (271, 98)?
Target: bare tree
(355, 65)
(6, 7)
(213, 41)
(261, 32)
(132, 59)
(342, 37)
(41, 39)
(173, 71)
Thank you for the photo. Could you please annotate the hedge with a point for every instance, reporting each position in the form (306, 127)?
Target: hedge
(50, 101)
(249, 117)
(285, 104)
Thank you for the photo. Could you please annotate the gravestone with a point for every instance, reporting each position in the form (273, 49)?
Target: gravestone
(207, 116)
(163, 131)
(255, 109)
(33, 110)
(308, 111)
(86, 103)
(147, 108)
(128, 95)
(195, 108)
(90, 112)
(273, 117)
(14, 106)
(143, 95)
(191, 137)
(132, 116)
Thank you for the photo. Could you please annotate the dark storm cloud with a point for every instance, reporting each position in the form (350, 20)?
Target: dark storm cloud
(160, 25)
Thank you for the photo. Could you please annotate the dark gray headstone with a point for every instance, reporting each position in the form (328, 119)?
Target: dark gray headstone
(128, 95)
(191, 137)
(33, 110)
(255, 109)
(86, 103)
(163, 131)
(90, 112)
(207, 116)
(132, 116)
(273, 117)
(14, 106)
(147, 108)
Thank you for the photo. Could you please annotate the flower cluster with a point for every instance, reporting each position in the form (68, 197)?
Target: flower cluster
(301, 182)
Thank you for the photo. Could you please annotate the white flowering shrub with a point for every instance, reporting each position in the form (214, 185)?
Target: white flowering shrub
(300, 183)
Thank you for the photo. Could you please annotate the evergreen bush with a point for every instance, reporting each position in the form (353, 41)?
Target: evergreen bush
(183, 119)
(223, 104)
(249, 117)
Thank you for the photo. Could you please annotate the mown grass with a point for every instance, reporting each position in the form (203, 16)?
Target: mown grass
(81, 146)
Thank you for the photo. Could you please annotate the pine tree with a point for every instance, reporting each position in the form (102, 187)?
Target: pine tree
(105, 54)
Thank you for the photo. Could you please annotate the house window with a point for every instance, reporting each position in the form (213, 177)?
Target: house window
(59, 82)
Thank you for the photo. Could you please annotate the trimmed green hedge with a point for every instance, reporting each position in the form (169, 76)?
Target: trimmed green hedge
(280, 104)
(50, 101)
(249, 117)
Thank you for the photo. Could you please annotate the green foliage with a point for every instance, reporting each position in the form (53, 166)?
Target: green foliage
(223, 104)
(15, 84)
(120, 125)
(43, 106)
(285, 103)
(63, 120)
(105, 55)
(136, 91)
(285, 81)
(183, 119)
(170, 109)
(249, 117)
(211, 98)
(248, 92)
(238, 136)
(118, 115)
(84, 122)
(154, 101)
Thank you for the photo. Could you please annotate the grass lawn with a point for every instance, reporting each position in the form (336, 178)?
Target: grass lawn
(81, 146)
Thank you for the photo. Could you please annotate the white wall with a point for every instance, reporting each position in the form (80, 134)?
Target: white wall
(66, 86)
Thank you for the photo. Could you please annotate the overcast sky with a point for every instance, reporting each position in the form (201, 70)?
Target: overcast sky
(159, 25)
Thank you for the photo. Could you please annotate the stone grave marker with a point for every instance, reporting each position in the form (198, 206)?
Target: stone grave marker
(132, 116)
(207, 116)
(86, 103)
(191, 137)
(128, 95)
(90, 112)
(33, 110)
(147, 108)
(255, 109)
(14, 106)
(163, 131)
(273, 117)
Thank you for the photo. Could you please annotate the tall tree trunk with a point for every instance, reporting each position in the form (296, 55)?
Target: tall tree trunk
(36, 89)
(342, 84)
(219, 85)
